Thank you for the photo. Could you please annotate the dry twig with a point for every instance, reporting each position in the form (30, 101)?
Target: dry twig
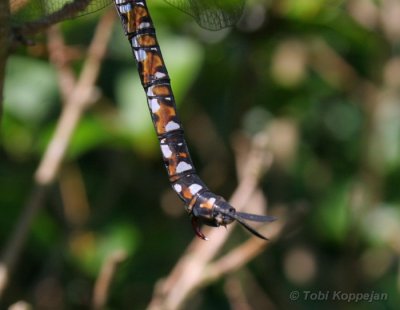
(102, 286)
(58, 55)
(77, 103)
(239, 256)
(236, 295)
(69, 10)
(193, 270)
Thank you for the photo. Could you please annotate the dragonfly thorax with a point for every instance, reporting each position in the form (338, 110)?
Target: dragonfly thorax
(213, 210)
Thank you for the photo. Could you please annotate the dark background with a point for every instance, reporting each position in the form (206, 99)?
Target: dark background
(322, 76)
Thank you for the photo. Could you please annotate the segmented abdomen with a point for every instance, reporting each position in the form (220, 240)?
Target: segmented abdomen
(153, 73)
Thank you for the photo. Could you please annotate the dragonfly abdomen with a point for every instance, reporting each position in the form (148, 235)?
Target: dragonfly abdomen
(200, 202)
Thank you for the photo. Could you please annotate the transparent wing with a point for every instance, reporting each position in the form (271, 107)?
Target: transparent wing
(24, 11)
(211, 14)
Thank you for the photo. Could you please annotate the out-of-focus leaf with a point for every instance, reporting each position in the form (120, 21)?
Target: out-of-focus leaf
(45, 230)
(16, 136)
(183, 58)
(134, 114)
(90, 134)
(332, 216)
(382, 224)
(302, 9)
(91, 249)
(30, 89)
(342, 120)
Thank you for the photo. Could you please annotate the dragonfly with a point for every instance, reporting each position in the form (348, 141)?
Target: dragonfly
(202, 205)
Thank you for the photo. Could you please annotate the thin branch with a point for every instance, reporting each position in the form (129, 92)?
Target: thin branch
(48, 168)
(240, 256)
(18, 237)
(69, 10)
(250, 290)
(236, 295)
(74, 196)
(79, 100)
(59, 57)
(188, 273)
(107, 273)
(20, 305)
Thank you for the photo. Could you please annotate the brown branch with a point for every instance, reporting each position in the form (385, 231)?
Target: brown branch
(48, 168)
(69, 10)
(236, 295)
(103, 283)
(78, 101)
(20, 305)
(59, 57)
(74, 197)
(4, 45)
(187, 275)
(249, 290)
(18, 237)
(240, 256)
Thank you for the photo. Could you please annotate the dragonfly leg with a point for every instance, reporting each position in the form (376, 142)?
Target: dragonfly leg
(196, 228)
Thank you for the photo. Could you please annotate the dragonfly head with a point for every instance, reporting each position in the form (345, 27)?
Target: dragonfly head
(214, 211)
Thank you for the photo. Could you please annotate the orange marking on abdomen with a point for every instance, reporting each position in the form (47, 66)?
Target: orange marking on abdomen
(161, 90)
(186, 193)
(164, 115)
(151, 65)
(146, 41)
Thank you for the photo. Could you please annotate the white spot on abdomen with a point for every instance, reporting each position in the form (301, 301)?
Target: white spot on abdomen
(125, 8)
(140, 55)
(135, 42)
(178, 188)
(182, 166)
(154, 105)
(171, 126)
(144, 25)
(211, 200)
(166, 151)
(150, 91)
(160, 75)
(194, 188)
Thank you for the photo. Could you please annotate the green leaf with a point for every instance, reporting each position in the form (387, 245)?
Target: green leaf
(30, 88)
(91, 249)
(332, 217)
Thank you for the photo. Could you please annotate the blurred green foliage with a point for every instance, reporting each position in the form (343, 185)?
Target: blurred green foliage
(323, 76)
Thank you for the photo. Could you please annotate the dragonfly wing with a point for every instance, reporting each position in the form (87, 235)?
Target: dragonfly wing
(31, 10)
(256, 217)
(211, 14)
